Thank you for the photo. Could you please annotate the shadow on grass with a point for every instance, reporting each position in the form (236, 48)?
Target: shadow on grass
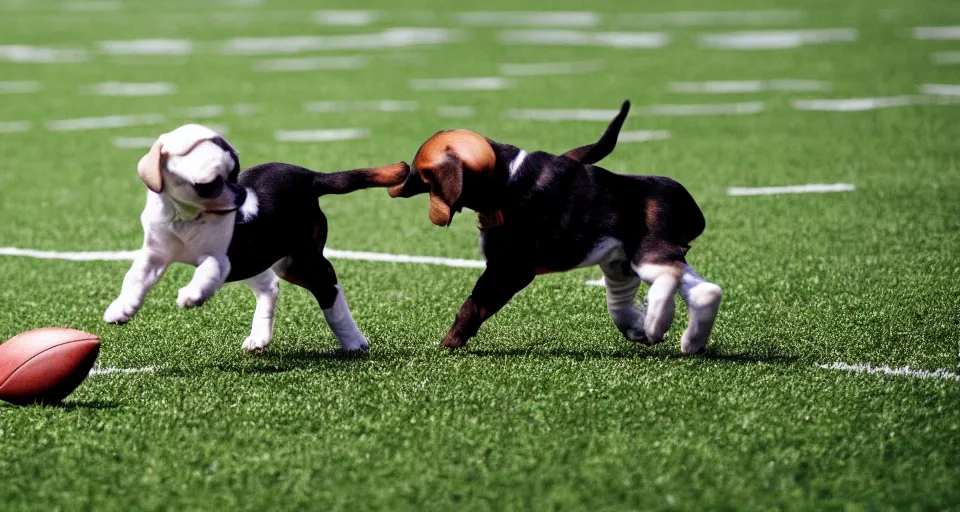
(268, 363)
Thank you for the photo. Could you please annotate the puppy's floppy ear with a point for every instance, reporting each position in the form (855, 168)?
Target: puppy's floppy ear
(150, 168)
(446, 186)
(410, 187)
(593, 153)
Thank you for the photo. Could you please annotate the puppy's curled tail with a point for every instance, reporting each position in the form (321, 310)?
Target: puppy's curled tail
(344, 182)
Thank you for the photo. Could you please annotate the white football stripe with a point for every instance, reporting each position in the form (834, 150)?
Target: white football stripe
(776, 39)
(133, 89)
(294, 64)
(147, 47)
(855, 104)
(708, 18)
(111, 370)
(23, 53)
(328, 135)
(361, 106)
(905, 371)
(812, 188)
(643, 135)
(134, 142)
(551, 68)
(937, 33)
(749, 86)
(941, 89)
(390, 38)
(943, 58)
(455, 111)
(19, 87)
(95, 123)
(579, 38)
(529, 19)
(15, 126)
(704, 109)
(546, 114)
(485, 83)
(346, 18)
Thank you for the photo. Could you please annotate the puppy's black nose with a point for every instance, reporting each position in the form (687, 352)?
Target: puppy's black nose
(209, 190)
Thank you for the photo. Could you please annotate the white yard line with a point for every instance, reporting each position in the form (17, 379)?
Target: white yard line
(946, 58)
(328, 252)
(813, 188)
(529, 19)
(19, 87)
(703, 109)
(93, 5)
(111, 370)
(941, 89)
(298, 64)
(906, 371)
(483, 83)
(94, 123)
(389, 38)
(324, 107)
(321, 135)
(643, 135)
(132, 89)
(203, 111)
(855, 104)
(580, 38)
(937, 33)
(23, 53)
(776, 39)
(454, 111)
(547, 114)
(346, 18)
(15, 126)
(134, 142)
(551, 68)
(749, 86)
(147, 47)
(710, 18)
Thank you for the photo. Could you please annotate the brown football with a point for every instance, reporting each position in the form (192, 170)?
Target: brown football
(45, 365)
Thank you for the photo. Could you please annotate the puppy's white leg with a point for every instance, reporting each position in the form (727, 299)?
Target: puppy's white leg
(703, 300)
(663, 280)
(344, 328)
(266, 288)
(211, 273)
(621, 291)
(143, 274)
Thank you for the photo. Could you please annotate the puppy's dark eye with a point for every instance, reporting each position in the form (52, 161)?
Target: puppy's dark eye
(209, 190)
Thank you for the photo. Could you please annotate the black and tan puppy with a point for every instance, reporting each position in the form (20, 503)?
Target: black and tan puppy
(541, 213)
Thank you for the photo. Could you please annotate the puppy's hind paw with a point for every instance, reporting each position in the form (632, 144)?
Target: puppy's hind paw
(355, 344)
(118, 313)
(190, 297)
(256, 343)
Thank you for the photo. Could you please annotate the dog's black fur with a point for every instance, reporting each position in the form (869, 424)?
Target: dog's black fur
(290, 226)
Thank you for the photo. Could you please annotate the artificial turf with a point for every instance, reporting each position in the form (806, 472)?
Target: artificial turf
(548, 408)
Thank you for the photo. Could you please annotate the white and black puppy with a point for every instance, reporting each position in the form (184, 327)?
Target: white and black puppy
(252, 226)
(543, 213)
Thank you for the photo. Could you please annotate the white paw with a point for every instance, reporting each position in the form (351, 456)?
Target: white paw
(690, 345)
(119, 313)
(256, 343)
(355, 344)
(190, 297)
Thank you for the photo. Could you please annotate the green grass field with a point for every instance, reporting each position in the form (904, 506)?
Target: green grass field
(548, 408)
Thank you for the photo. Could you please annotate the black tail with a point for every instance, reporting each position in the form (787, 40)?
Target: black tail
(344, 182)
(593, 153)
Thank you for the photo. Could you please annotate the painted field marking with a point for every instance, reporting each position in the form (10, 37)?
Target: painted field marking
(941, 89)
(854, 104)
(295, 64)
(329, 135)
(324, 107)
(749, 86)
(936, 33)
(93, 5)
(344, 18)
(133, 89)
(906, 371)
(134, 142)
(389, 38)
(708, 18)
(483, 83)
(946, 58)
(147, 47)
(203, 111)
(328, 252)
(453, 111)
(109, 370)
(551, 68)
(23, 53)
(703, 109)
(776, 39)
(529, 19)
(580, 38)
(813, 188)
(547, 114)
(15, 126)
(95, 123)
(643, 135)
(19, 87)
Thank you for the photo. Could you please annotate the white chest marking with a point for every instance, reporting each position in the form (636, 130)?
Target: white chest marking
(517, 162)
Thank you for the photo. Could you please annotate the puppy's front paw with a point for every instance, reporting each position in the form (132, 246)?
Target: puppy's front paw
(119, 313)
(190, 297)
(355, 344)
(453, 342)
(255, 343)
